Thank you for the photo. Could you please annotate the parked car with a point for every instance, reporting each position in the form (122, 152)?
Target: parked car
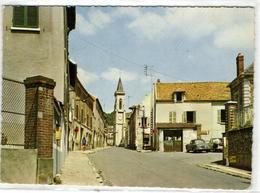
(197, 145)
(216, 144)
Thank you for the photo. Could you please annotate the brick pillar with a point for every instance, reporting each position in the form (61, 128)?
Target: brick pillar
(39, 117)
(230, 108)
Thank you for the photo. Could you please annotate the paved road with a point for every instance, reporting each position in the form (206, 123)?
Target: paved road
(123, 167)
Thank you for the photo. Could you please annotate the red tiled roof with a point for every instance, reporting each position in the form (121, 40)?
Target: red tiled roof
(194, 91)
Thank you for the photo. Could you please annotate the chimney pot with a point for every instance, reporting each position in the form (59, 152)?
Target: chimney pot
(240, 64)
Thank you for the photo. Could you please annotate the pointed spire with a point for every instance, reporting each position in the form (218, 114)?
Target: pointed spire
(120, 88)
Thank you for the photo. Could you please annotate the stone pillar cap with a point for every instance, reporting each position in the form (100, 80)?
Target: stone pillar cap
(231, 102)
(39, 81)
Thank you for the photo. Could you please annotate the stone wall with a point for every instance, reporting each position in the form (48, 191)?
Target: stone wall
(18, 165)
(239, 144)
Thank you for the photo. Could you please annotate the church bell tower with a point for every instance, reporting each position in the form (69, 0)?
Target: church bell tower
(119, 113)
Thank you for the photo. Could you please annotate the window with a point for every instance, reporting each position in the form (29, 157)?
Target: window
(189, 117)
(87, 120)
(120, 104)
(77, 112)
(144, 122)
(26, 16)
(82, 115)
(222, 116)
(178, 96)
(172, 117)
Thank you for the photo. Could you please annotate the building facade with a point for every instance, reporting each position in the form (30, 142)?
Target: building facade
(138, 128)
(119, 109)
(239, 122)
(35, 44)
(110, 135)
(185, 111)
(81, 116)
(99, 125)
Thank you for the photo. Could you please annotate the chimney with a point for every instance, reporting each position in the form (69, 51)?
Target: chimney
(240, 64)
(158, 80)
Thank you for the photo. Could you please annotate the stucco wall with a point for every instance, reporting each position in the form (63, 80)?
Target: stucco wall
(188, 135)
(206, 115)
(217, 129)
(27, 54)
(19, 165)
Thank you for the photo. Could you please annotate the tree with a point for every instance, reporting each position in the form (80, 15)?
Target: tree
(110, 118)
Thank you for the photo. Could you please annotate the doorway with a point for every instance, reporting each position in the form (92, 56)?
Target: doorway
(173, 140)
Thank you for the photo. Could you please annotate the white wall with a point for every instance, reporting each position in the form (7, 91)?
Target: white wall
(206, 115)
(161, 145)
(216, 129)
(187, 136)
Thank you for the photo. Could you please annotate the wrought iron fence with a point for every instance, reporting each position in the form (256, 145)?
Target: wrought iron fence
(13, 112)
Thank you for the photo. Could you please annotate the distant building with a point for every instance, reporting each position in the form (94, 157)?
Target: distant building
(185, 111)
(239, 122)
(126, 129)
(80, 113)
(138, 128)
(99, 124)
(110, 135)
(119, 109)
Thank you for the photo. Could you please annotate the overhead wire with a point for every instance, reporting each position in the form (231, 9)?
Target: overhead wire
(105, 50)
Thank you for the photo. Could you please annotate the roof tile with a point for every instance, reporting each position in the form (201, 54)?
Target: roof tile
(194, 91)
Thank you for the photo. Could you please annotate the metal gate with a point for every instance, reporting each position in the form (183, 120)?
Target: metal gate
(13, 112)
(173, 140)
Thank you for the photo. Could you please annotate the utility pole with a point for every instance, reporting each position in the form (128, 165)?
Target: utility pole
(148, 72)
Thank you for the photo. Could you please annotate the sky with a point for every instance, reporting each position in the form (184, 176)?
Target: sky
(178, 44)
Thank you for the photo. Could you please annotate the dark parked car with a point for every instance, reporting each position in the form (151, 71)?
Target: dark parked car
(216, 144)
(197, 145)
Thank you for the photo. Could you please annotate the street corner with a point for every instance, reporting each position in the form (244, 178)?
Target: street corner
(227, 170)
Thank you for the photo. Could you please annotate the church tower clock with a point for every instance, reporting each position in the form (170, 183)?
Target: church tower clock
(119, 109)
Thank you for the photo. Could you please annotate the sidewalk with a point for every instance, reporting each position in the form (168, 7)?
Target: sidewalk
(228, 170)
(78, 170)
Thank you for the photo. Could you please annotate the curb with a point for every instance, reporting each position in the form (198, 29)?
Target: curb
(96, 150)
(144, 151)
(226, 171)
(98, 176)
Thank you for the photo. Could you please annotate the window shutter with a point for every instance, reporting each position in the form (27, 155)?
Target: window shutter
(184, 117)
(170, 117)
(18, 16)
(219, 116)
(26, 16)
(194, 116)
(173, 117)
(32, 16)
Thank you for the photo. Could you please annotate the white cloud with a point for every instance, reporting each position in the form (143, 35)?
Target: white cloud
(145, 80)
(239, 36)
(95, 20)
(86, 77)
(132, 12)
(113, 74)
(195, 23)
(149, 25)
